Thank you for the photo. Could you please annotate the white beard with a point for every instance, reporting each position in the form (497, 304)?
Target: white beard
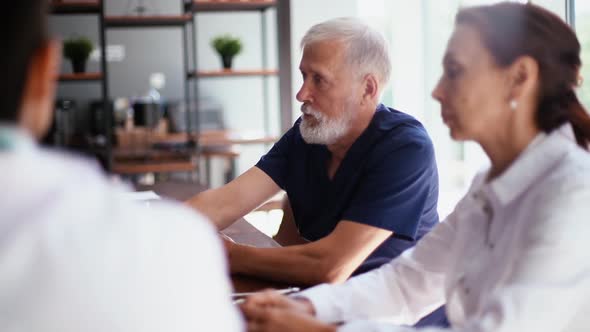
(325, 130)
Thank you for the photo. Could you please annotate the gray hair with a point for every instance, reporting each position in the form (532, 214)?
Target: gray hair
(365, 48)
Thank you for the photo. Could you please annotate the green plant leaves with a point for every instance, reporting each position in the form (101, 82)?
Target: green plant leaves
(226, 45)
(77, 48)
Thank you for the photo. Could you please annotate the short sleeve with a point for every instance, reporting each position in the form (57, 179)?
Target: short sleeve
(397, 186)
(275, 162)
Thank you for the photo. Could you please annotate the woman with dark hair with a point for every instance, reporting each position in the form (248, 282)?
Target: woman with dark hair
(513, 254)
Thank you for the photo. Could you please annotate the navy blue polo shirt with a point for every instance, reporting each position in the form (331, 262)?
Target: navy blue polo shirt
(388, 179)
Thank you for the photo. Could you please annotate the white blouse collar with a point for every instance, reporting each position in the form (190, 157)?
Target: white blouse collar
(539, 157)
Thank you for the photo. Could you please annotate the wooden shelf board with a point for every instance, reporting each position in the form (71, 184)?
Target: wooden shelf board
(146, 21)
(127, 154)
(212, 138)
(75, 7)
(153, 167)
(232, 5)
(224, 73)
(221, 153)
(80, 77)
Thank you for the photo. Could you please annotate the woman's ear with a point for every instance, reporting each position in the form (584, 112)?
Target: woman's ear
(524, 76)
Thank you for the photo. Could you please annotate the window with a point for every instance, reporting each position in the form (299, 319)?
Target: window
(556, 6)
(418, 32)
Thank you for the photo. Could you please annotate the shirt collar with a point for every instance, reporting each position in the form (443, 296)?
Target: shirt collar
(13, 138)
(537, 159)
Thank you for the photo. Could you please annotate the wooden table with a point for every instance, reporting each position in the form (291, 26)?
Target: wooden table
(241, 231)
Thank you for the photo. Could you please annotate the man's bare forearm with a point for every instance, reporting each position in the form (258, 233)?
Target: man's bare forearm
(212, 206)
(226, 204)
(293, 264)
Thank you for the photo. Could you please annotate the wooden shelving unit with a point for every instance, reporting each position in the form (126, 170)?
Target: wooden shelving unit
(282, 8)
(186, 21)
(147, 21)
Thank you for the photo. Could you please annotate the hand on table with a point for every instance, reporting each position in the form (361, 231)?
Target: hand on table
(270, 298)
(269, 311)
(231, 250)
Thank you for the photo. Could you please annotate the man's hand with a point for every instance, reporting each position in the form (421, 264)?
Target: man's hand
(235, 253)
(270, 311)
(230, 248)
(274, 299)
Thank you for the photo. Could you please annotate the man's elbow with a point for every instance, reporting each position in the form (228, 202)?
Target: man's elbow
(196, 202)
(202, 204)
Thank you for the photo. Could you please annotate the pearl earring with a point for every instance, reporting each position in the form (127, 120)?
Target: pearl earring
(513, 105)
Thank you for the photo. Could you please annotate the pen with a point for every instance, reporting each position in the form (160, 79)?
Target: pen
(241, 297)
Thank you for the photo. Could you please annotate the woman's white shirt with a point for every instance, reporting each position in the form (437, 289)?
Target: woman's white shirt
(512, 256)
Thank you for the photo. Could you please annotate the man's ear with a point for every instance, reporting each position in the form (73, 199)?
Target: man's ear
(39, 91)
(370, 88)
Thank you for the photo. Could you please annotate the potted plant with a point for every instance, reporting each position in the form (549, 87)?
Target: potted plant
(77, 50)
(227, 47)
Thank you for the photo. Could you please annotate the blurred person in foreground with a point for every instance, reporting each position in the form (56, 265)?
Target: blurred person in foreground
(513, 255)
(73, 257)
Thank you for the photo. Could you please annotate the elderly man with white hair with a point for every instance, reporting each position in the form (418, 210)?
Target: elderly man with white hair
(361, 178)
